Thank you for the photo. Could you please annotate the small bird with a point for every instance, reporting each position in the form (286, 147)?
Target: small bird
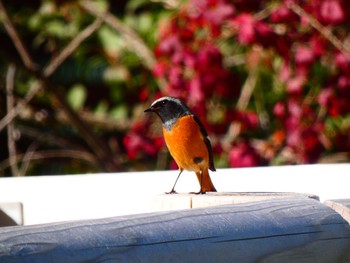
(186, 139)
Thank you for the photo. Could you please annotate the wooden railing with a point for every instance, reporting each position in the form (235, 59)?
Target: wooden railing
(289, 229)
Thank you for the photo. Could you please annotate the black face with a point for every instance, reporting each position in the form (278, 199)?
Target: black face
(169, 109)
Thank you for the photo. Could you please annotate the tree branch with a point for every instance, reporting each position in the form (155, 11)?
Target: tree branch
(49, 70)
(102, 151)
(242, 103)
(36, 87)
(11, 141)
(10, 28)
(135, 43)
(72, 46)
(130, 36)
(28, 156)
(326, 32)
(39, 155)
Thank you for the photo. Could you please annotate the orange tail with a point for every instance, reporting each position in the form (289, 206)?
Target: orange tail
(207, 184)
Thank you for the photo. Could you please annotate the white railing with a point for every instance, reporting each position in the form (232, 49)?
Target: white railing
(74, 197)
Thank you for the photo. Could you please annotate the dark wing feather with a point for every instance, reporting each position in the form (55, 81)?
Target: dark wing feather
(207, 143)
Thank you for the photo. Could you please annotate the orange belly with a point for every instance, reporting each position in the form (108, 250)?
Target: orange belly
(186, 144)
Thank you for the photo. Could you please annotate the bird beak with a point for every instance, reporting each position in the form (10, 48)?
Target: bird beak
(149, 109)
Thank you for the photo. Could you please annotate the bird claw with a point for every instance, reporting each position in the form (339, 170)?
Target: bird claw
(171, 192)
(198, 193)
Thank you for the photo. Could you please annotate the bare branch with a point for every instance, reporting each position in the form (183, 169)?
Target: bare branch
(170, 4)
(27, 157)
(106, 122)
(50, 69)
(242, 103)
(135, 43)
(36, 87)
(130, 36)
(40, 155)
(50, 138)
(11, 30)
(102, 151)
(105, 157)
(27, 61)
(72, 46)
(326, 32)
(96, 144)
(11, 140)
(247, 90)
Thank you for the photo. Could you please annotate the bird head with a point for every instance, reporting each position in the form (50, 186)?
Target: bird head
(169, 109)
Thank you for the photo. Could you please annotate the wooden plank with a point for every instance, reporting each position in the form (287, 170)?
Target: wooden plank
(6, 220)
(166, 202)
(11, 214)
(276, 230)
(140, 188)
(341, 206)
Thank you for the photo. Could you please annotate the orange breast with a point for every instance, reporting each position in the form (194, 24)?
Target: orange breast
(185, 143)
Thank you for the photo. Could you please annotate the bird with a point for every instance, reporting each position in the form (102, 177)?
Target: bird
(187, 140)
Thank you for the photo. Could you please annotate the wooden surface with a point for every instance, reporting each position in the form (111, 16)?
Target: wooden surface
(166, 202)
(341, 206)
(6, 220)
(11, 214)
(276, 230)
(48, 199)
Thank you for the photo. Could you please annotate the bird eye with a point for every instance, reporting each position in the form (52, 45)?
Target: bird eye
(164, 102)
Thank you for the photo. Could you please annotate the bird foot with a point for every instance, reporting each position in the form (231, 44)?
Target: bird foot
(171, 192)
(198, 193)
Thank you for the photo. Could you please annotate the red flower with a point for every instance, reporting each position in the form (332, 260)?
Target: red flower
(244, 25)
(168, 45)
(332, 12)
(283, 14)
(342, 140)
(295, 85)
(243, 155)
(280, 110)
(138, 142)
(248, 119)
(304, 56)
(160, 68)
(343, 62)
(312, 144)
(195, 91)
(325, 97)
(219, 12)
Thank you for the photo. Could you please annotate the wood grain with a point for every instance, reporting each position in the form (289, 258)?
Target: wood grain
(341, 206)
(277, 230)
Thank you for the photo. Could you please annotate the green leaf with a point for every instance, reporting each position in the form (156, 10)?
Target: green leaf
(132, 5)
(116, 74)
(119, 112)
(60, 29)
(101, 108)
(110, 40)
(76, 96)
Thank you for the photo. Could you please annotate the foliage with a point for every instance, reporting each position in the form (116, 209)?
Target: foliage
(298, 80)
(269, 79)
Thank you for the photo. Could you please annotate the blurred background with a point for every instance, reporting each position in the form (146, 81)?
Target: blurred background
(270, 80)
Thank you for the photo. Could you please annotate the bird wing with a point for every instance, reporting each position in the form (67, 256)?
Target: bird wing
(207, 142)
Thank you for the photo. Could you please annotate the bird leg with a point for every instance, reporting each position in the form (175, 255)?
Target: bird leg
(173, 189)
(200, 183)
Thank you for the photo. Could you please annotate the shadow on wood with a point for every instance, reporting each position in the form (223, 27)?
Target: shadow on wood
(6, 220)
(341, 206)
(167, 202)
(11, 214)
(277, 230)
